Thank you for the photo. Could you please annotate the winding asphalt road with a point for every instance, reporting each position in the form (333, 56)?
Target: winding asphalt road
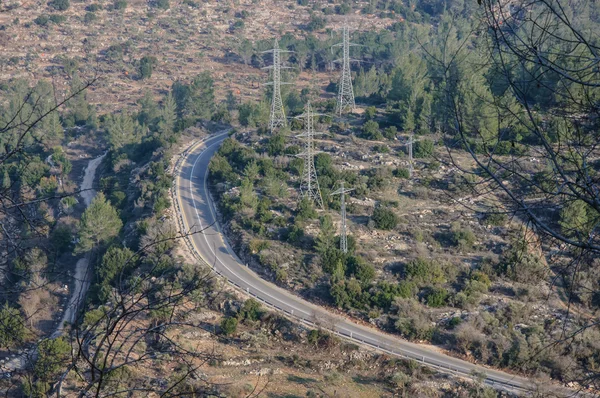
(198, 212)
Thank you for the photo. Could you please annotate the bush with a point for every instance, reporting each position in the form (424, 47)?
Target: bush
(370, 112)
(436, 297)
(93, 7)
(57, 19)
(412, 321)
(162, 4)
(454, 322)
(390, 132)
(384, 218)
(42, 20)
(147, 66)
(89, 17)
(120, 4)
(423, 148)
(59, 5)
(229, 326)
(370, 131)
(316, 23)
(424, 271)
(402, 172)
(343, 9)
(12, 326)
(496, 219)
(464, 238)
(305, 210)
(381, 148)
(251, 310)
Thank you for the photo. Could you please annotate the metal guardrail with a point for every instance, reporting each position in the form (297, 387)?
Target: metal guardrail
(379, 347)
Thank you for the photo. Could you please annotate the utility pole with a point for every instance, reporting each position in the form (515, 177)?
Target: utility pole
(309, 186)
(410, 144)
(345, 100)
(277, 118)
(343, 236)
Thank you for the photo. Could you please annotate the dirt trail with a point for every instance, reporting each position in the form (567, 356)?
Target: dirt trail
(82, 273)
(82, 269)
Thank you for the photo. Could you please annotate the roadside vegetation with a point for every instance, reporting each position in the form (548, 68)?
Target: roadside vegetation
(484, 244)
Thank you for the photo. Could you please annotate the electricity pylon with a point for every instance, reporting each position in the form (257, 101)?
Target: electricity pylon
(277, 118)
(345, 100)
(309, 185)
(344, 234)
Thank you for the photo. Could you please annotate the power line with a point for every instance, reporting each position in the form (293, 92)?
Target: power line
(343, 235)
(309, 186)
(277, 118)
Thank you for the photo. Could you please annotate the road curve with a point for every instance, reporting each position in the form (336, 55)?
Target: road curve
(198, 212)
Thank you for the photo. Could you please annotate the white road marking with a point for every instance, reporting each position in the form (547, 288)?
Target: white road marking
(498, 377)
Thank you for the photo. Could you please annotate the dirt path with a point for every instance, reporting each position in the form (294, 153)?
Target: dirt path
(82, 274)
(82, 269)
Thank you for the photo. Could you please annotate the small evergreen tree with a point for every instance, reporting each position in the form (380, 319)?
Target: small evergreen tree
(99, 223)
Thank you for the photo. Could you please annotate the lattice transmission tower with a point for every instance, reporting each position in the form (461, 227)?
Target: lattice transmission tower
(309, 186)
(344, 233)
(277, 118)
(345, 100)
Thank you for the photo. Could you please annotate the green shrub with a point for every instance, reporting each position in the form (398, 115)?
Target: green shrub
(436, 297)
(384, 218)
(316, 23)
(120, 4)
(251, 310)
(305, 210)
(496, 219)
(59, 5)
(162, 4)
(381, 148)
(390, 132)
(454, 322)
(57, 19)
(402, 172)
(93, 7)
(89, 17)
(424, 271)
(464, 238)
(423, 148)
(147, 66)
(12, 326)
(370, 131)
(370, 112)
(42, 20)
(343, 9)
(229, 326)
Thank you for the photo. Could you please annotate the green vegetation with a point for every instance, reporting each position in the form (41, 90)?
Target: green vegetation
(12, 326)
(99, 224)
(60, 5)
(147, 66)
(229, 326)
(384, 218)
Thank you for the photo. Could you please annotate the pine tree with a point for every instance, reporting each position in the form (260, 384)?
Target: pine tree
(99, 223)
(326, 238)
(12, 326)
(573, 218)
(122, 130)
(247, 195)
(168, 115)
